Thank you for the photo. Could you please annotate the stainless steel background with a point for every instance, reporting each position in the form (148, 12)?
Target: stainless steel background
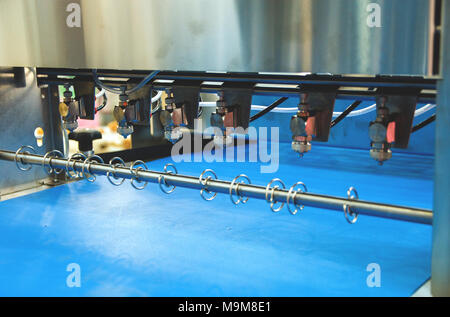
(440, 263)
(218, 35)
(22, 110)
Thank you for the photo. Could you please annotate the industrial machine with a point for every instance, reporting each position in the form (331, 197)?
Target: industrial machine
(172, 64)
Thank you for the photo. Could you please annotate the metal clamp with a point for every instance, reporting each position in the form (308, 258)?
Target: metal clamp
(272, 201)
(291, 191)
(28, 166)
(351, 194)
(204, 182)
(91, 178)
(161, 177)
(134, 172)
(241, 198)
(120, 163)
(50, 157)
(72, 157)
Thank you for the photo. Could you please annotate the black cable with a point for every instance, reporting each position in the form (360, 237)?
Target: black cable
(345, 113)
(117, 90)
(103, 105)
(275, 104)
(423, 123)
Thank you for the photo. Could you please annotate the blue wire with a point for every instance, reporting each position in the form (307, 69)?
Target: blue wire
(116, 90)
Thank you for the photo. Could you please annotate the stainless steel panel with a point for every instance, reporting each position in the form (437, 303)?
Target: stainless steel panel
(22, 110)
(440, 264)
(220, 35)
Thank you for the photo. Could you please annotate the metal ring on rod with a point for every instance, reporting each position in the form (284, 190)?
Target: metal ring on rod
(120, 163)
(241, 198)
(161, 177)
(207, 190)
(52, 170)
(72, 157)
(351, 194)
(134, 172)
(272, 201)
(291, 191)
(204, 182)
(28, 166)
(98, 159)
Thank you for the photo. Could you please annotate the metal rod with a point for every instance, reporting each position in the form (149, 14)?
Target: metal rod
(220, 186)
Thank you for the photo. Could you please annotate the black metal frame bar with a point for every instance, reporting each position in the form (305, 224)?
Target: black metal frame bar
(351, 86)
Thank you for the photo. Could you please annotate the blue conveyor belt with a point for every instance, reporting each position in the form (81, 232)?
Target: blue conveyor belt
(147, 243)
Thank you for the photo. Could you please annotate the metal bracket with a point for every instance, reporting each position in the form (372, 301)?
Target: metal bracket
(238, 98)
(85, 98)
(187, 97)
(401, 103)
(139, 103)
(320, 104)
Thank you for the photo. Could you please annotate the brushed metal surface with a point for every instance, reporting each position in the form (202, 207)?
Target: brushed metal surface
(440, 262)
(221, 35)
(22, 109)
